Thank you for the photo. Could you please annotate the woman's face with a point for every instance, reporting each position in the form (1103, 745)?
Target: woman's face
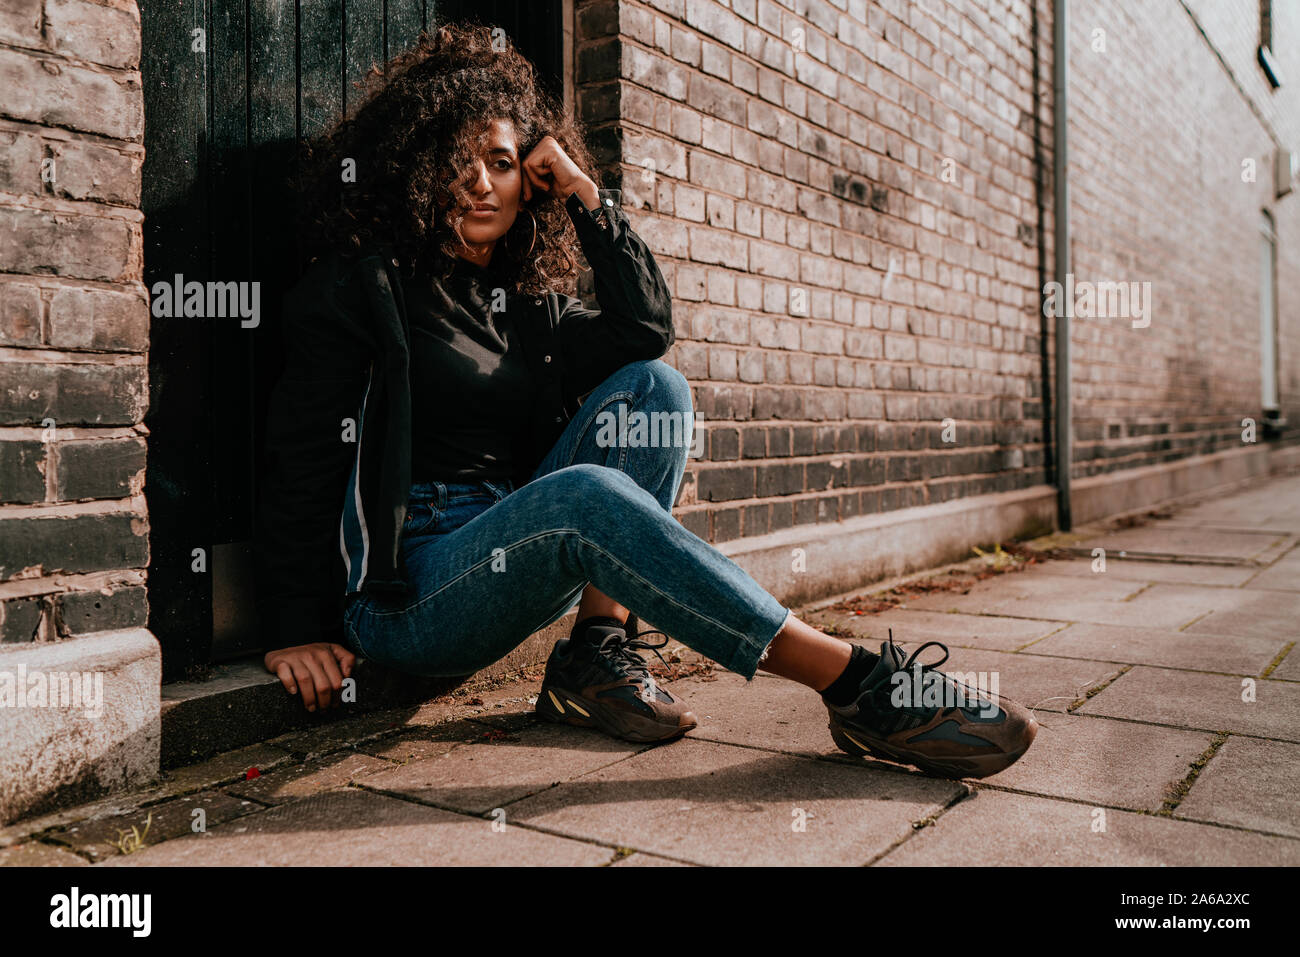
(495, 183)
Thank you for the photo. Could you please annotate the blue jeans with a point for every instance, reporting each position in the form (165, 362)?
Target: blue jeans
(490, 564)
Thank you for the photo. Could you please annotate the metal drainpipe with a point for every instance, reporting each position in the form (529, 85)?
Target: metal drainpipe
(1061, 242)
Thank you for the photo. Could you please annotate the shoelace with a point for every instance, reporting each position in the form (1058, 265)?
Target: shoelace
(907, 664)
(885, 689)
(924, 667)
(624, 651)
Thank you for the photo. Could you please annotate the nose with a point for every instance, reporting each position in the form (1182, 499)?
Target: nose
(481, 184)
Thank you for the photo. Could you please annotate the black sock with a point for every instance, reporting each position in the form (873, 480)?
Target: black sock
(846, 688)
(581, 628)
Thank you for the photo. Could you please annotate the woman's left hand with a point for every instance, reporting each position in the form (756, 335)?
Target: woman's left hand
(548, 169)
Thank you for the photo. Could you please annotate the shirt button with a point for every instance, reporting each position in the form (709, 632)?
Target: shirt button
(546, 359)
(537, 302)
(559, 418)
(395, 262)
(609, 202)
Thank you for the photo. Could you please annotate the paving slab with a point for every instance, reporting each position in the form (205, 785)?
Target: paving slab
(28, 828)
(99, 839)
(1168, 607)
(648, 860)
(222, 769)
(1036, 681)
(1262, 614)
(36, 854)
(769, 712)
(1280, 576)
(227, 767)
(711, 803)
(1289, 669)
(477, 778)
(1188, 541)
(914, 626)
(1065, 601)
(1272, 507)
(1249, 783)
(1175, 573)
(1034, 595)
(1189, 699)
(359, 828)
(1170, 649)
(1017, 830)
(1106, 762)
(301, 780)
(419, 743)
(510, 708)
(509, 698)
(344, 732)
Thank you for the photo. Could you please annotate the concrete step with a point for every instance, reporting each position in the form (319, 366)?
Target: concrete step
(241, 702)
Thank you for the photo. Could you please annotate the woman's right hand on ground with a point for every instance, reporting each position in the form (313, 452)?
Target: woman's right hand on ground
(315, 671)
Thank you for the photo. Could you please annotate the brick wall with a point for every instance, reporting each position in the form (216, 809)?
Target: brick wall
(841, 291)
(1231, 28)
(74, 320)
(1159, 131)
(845, 196)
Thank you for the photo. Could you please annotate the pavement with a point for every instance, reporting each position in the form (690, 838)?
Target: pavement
(1158, 652)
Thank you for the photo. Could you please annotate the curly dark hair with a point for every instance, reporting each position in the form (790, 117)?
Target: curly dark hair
(414, 137)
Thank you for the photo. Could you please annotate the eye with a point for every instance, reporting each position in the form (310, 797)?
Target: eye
(504, 164)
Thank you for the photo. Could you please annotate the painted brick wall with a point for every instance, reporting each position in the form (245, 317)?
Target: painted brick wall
(847, 200)
(74, 320)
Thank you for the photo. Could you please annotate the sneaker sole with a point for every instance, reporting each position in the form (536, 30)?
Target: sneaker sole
(561, 707)
(976, 766)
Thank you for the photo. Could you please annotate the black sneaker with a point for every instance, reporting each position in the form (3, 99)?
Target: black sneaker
(599, 681)
(969, 733)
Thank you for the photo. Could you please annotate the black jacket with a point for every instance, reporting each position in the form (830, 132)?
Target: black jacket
(338, 447)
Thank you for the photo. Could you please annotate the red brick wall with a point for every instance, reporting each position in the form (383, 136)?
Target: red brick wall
(1232, 29)
(838, 297)
(74, 320)
(1159, 130)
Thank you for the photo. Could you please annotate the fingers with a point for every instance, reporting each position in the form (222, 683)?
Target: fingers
(314, 671)
(346, 659)
(321, 682)
(531, 174)
(306, 683)
(528, 189)
(332, 675)
(285, 673)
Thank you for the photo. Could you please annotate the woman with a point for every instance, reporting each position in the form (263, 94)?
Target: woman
(455, 455)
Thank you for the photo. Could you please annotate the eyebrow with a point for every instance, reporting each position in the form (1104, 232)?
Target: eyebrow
(501, 149)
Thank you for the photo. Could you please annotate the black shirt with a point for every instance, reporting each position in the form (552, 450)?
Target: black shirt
(331, 503)
(471, 389)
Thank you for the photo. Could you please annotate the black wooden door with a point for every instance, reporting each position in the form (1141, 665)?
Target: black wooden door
(230, 89)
